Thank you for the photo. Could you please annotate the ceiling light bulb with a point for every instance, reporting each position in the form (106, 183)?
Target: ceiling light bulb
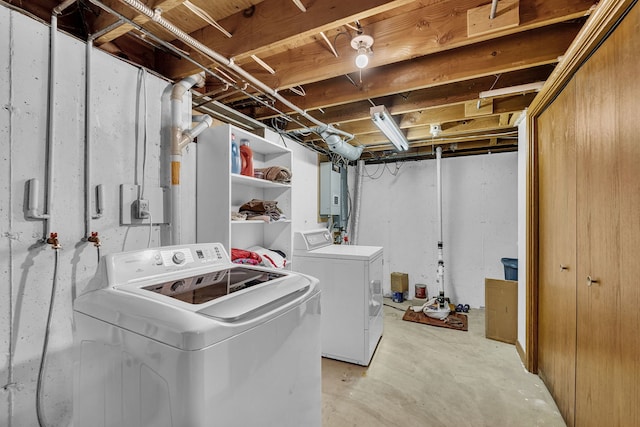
(362, 60)
(362, 44)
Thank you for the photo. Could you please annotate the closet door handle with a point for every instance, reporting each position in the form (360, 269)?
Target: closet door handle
(591, 281)
(563, 267)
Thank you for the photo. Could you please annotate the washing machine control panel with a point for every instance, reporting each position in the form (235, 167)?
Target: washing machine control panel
(136, 265)
(188, 255)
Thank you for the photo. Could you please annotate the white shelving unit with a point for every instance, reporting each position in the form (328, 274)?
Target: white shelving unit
(220, 192)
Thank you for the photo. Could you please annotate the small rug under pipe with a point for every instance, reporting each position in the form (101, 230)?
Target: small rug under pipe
(457, 321)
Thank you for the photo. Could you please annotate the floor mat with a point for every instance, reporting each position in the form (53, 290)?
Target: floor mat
(457, 321)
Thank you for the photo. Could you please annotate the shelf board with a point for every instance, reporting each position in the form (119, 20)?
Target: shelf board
(254, 222)
(256, 182)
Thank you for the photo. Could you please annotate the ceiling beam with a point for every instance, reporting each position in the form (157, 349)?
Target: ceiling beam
(471, 141)
(433, 28)
(417, 100)
(517, 52)
(441, 115)
(275, 25)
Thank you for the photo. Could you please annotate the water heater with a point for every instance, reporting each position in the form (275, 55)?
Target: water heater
(329, 189)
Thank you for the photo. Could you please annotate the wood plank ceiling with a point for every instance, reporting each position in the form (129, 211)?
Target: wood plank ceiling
(430, 61)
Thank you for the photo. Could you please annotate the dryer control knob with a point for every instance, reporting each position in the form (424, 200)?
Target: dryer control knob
(178, 258)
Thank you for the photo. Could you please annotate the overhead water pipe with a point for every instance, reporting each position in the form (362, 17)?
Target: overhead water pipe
(440, 271)
(180, 53)
(156, 17)
(494, 8)
(179, 139)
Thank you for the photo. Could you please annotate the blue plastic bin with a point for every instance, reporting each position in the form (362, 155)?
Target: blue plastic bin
(510, 268)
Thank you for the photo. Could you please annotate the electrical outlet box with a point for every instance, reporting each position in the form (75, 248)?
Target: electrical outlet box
(141, 208)
(132, 208)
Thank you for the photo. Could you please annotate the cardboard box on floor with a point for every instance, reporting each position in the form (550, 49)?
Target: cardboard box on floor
(501, 310)
(399, 282)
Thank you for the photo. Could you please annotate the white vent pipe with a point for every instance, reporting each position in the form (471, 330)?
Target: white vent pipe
(179, 139)
(156, 17)
(440, 271)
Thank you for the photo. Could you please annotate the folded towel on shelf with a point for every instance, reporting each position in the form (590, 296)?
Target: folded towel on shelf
(259, 208)
(276, 174)
(237, 216)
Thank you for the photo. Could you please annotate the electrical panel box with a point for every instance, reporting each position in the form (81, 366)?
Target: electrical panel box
(329, 189)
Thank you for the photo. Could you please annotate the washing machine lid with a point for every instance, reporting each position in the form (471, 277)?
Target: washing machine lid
(357, 252)
(195, 307)
(319, 243)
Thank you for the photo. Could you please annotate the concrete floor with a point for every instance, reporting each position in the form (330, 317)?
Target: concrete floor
(425, 376)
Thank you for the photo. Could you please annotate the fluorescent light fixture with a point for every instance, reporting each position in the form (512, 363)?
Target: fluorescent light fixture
(512, 90)
(362, 43)
(389, 127)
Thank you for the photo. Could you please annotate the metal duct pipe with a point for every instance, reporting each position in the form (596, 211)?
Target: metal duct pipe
(357, 199)
(156, 17)
(339, 146)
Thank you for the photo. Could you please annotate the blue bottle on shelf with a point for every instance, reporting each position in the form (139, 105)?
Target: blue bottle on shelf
(236, 164)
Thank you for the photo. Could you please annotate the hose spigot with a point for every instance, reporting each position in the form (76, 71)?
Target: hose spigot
(94, 239)
(53, 241)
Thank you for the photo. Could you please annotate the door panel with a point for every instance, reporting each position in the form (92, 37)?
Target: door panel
(557, 258)
(607, 369)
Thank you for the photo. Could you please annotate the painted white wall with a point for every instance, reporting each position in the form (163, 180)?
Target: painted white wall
(479, 221)
(26, 265)
(523, 156)
(398, 211)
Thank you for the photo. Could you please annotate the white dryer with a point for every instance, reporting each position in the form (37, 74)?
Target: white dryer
(181, 337)
(351, 298)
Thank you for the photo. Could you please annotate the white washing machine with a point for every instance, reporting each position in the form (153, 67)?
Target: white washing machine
(351, 283)
(181, 337)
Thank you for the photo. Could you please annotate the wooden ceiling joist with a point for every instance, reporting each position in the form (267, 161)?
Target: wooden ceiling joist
(436, 27)
(520, 51)
(416, 101)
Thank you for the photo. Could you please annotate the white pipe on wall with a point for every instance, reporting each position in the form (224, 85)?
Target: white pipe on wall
(51, 122)
(179, 139)
(440, 271)
(156, 17)
(87, 140)
(439, 190)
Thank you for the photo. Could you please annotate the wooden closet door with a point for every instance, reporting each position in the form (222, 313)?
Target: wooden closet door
(608, 213)
(557, 252)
